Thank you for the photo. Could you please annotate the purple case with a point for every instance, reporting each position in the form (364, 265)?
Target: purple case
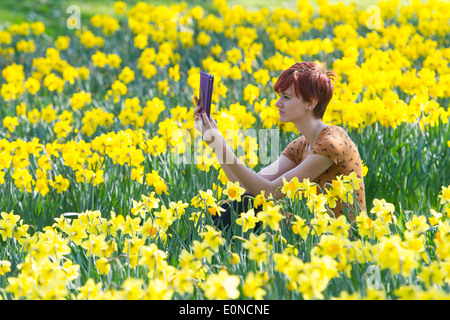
(206, 88)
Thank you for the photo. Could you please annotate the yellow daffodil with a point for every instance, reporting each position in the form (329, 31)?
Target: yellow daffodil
(247, 220)
(234, 191)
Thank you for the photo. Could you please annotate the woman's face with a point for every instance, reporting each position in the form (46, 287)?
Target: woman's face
(290, 107)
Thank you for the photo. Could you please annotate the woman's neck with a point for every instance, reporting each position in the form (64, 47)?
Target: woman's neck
(311, 130)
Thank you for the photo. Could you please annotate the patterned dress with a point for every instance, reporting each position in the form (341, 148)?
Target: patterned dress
(333, 142)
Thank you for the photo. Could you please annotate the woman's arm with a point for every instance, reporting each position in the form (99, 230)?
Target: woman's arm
(230, 175)
(310, 168)
(273, 171)
(270, 173)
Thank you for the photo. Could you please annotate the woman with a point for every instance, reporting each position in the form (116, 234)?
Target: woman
(321, 153)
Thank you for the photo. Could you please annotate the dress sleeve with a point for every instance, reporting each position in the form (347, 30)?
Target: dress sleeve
(332, 145)
(292, 150)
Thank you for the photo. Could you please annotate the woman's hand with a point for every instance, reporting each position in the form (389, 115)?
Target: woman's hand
(207, 126)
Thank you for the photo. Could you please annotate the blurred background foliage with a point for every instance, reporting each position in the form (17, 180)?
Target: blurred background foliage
(53, 13)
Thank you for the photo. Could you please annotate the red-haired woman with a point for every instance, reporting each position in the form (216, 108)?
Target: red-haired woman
(321, 153)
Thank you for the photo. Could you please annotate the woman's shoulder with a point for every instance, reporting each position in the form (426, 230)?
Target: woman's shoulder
(333, 139)
(333, 129)
(296, 145)
(295, 148)
(298, 140)
(334, 143)
(334, 132)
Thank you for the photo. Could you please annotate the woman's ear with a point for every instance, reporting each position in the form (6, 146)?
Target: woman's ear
(312, 104)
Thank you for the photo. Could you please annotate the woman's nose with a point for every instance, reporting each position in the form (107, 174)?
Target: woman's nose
(278, 104)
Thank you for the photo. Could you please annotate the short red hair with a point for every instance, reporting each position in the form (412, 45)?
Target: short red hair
(311, 80)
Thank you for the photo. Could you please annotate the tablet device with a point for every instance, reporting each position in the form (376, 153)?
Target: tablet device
(205, 94)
